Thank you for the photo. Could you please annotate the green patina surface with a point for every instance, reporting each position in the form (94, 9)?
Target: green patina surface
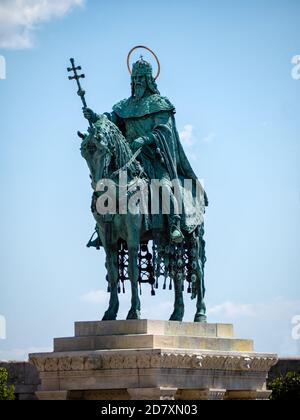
(140, 134)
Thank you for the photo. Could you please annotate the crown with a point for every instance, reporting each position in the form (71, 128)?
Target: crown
(142, 68)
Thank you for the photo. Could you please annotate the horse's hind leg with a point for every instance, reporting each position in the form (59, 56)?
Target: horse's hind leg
(178, 312)
(200, 315)
(133, 270)
(112, 271)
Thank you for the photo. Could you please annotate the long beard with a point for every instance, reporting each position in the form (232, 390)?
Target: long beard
(139, 91)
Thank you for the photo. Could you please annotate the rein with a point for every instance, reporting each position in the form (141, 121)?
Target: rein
(124, 167)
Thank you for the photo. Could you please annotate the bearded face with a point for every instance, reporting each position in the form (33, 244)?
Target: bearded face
(140, 86)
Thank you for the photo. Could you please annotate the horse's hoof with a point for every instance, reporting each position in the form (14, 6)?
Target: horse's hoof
(109, 317)
(200, 318)
(176, 317)
(133, 314)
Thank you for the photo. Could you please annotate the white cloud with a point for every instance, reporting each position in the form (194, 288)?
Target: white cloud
(21, 354)
(272, 310)
(232, 310)
(95, 296)
(19, 18)
(269, 323)
(186, 136)
(209, 138)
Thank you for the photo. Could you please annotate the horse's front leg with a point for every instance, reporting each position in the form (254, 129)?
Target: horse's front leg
(133, 270)
(112, 271)
(178, 312)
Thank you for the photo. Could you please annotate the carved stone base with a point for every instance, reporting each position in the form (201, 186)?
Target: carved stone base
(149, 394)
(52, 395)
(250, 394)
(174, 360)
(200, 394)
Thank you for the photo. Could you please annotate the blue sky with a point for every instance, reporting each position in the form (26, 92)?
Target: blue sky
(226, 65)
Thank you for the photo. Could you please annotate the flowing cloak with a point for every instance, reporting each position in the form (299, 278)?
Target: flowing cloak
(152, 118)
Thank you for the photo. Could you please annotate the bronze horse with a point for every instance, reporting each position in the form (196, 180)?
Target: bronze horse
(107, 153)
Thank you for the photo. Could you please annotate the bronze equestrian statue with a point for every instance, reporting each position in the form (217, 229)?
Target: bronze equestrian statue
(147, 202)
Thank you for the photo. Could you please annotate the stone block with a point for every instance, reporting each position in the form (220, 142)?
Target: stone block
(95, 328)
(147, 341)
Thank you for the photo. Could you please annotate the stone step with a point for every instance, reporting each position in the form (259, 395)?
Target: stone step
(150, 341)
(173, 328)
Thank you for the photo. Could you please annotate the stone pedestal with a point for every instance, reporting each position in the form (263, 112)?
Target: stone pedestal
(152, 360)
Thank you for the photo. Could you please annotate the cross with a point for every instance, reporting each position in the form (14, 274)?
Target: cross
(76, 77)
(80, 91)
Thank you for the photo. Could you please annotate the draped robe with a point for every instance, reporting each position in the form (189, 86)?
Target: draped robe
(152, 118)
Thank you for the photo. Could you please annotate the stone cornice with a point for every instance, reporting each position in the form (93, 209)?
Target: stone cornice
(148, 360)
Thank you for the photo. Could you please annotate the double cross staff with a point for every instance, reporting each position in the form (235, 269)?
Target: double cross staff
(80, 91)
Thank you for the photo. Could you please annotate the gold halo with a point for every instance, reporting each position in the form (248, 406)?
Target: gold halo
(148, 49)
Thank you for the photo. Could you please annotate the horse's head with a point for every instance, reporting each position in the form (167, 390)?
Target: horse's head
(107, 152)
(96, 149)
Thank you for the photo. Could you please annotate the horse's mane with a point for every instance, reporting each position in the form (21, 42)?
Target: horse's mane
(119, 147)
